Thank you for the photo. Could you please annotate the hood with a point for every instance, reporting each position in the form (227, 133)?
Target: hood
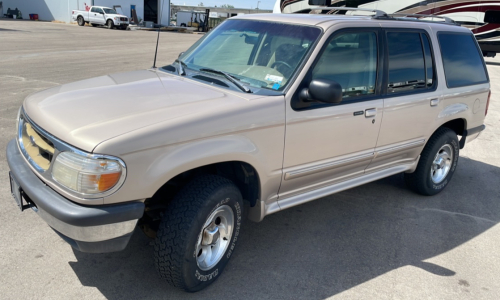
(88, 112)
(117, 15)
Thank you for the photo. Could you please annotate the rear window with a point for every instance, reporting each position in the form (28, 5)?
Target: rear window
(462, 61)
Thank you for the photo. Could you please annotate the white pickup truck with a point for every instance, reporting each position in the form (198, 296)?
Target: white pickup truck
(100, 15)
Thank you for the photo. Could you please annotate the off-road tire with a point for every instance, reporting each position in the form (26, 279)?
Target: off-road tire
(110, 24)
(181, 227)
(81, 21)
(420, 181)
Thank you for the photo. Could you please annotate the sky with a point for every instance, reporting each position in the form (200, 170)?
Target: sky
(264, 4)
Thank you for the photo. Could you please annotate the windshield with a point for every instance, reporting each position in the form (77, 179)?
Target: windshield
(256, 53)
(110, 11)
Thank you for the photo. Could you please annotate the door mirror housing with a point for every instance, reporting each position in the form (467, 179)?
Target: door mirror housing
(322, 90)
(180, 54)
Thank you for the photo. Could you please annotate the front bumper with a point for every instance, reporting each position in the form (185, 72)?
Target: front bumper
(95, 229)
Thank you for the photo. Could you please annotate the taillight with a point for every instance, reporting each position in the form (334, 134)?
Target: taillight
(487, 103)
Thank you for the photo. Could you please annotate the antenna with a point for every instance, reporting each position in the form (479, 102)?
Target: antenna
(158, 38)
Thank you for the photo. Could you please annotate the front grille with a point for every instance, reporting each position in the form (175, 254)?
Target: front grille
(37, 149)
(123, 19)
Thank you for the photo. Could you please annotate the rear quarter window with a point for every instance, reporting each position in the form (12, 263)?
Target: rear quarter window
(462, 61)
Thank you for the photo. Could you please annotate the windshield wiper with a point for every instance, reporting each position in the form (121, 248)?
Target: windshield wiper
(229, 77)
(180, 69)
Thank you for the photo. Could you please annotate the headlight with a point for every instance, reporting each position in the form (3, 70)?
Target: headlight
(88, 175)
(116, 18)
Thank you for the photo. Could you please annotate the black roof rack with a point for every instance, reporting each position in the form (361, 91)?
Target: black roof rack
(379, 14)
(410, 17)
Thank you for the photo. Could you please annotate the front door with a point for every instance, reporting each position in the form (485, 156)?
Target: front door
(329, 143)
(96, 16)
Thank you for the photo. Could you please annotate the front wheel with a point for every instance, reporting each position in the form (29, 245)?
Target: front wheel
(110, 24)
(437, 164)
(198, 233)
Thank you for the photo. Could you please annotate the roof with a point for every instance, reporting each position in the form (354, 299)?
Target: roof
(327, 20)
(302, 19)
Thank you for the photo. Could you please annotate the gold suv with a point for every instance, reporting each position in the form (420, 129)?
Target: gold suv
(263, 113)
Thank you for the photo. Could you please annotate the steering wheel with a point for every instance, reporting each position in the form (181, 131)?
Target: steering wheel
(279, 62)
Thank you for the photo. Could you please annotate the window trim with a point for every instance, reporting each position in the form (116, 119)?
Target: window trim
(386, 67)
(381, 60)
(479, 53)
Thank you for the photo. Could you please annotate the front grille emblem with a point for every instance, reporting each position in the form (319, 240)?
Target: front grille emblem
(35, 147)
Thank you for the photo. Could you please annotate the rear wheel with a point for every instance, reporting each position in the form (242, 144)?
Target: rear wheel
(110, 24)
(437, 164)
(198, 233)
(81, 21)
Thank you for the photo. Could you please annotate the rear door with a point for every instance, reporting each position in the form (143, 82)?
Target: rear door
(411, 103)
(328, 143)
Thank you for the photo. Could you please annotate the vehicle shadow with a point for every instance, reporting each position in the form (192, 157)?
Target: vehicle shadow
(324, 247)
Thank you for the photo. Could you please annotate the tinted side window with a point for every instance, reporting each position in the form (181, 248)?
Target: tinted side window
(351, 60)
(461, 59)
(93, 9)
(406, 62)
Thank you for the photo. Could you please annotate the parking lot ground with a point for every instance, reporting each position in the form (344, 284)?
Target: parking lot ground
(377, 241)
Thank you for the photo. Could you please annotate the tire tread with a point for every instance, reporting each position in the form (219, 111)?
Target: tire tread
(171, 240)
(416, 181)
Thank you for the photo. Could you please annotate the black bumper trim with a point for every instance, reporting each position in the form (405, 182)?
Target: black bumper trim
(474, 130)
(61, 208)
(468, 132)
(113, 245)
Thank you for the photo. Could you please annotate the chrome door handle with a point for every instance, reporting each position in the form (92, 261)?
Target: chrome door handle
(434, 102)
(370, 112)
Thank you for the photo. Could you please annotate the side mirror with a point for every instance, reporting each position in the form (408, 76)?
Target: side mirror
(322, 90)
(180, 54)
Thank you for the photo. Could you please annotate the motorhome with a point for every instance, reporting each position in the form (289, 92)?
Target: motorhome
(482, 17)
